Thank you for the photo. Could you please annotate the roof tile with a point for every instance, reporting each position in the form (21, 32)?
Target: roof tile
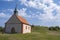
(22, 19)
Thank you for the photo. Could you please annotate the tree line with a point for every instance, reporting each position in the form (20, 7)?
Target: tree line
(54, 28)
(1, 28)
(51, 28)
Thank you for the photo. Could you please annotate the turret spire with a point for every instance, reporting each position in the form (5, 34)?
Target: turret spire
(15, 11)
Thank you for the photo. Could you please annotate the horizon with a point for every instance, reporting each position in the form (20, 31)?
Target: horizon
(36, 12)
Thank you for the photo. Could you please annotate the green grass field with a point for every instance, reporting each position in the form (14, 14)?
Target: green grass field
(38, 33)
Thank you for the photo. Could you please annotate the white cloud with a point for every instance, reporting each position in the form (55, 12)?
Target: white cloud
(8, 0)
(22, 12)
(2, 15)
(31, 3)
(48, 10)
(47, 1)
(36, 3)
(10, 10)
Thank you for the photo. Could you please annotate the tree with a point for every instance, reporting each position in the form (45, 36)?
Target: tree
(51, 28)
(56, 28)
(1, 29)
(32, 25)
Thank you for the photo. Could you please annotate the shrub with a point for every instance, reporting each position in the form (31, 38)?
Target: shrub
(1, 29)
(51, 28)
(56, 28)
(32, 25)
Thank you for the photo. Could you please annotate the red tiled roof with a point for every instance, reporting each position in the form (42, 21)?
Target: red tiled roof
(22, 19)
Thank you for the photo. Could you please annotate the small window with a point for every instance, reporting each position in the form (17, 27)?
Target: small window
(26, 27)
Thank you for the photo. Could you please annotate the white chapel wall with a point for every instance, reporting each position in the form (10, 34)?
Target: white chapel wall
(28, 30)
(16, 26)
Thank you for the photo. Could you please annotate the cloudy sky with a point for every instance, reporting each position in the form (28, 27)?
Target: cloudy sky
(37, 12)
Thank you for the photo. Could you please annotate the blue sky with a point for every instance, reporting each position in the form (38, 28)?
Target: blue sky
(37, 12)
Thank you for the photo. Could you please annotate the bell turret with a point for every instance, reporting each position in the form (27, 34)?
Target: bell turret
(16, 11)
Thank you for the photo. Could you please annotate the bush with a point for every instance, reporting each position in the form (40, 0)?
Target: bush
(32, 25)
(51, 28)
(56, 28)
(1, 29)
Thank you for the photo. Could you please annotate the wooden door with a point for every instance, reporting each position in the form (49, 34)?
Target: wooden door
(13, 30)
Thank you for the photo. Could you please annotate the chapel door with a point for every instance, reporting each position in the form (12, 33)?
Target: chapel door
(13, 30)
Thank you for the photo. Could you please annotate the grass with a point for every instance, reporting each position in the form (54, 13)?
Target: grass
(38, 33)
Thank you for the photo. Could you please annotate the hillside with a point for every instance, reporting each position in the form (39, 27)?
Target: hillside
(38, 33)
